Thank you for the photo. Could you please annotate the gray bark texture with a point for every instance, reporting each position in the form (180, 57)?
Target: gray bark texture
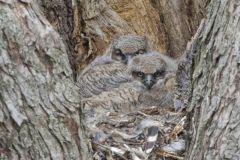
(168, 24)
(215, 98)
(88, 26)
(39, 105)
(60, 15)
(40, 117)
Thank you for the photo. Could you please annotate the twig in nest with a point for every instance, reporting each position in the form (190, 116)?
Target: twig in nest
(168, 154)
(115, 150)
(178, 128)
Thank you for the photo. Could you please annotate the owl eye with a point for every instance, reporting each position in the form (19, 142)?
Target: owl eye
(118, 52)
(119, 55)
(141, 51)
(140, 74)
(159, 73)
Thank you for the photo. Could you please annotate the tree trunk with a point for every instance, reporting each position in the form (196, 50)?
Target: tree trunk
(87, 27)
(167, 24)
(40, 116)
(39, 104)
(215, 100)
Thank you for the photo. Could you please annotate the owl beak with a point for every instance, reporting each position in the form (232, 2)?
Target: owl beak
(127, 59)
(149, 81)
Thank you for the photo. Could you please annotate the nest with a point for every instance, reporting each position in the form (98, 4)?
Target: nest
(152, 133)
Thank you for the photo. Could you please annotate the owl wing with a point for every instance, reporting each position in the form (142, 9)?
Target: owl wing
(102, 78)
(123, 99)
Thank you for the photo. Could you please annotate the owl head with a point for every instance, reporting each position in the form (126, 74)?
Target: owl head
(151, 68)
(125, 47)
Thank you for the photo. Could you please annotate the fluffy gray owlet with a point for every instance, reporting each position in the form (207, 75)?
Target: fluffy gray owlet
(152, 83)
(109, 71)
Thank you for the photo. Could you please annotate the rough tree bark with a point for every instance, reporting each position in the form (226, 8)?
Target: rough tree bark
(88, 26)
(215, 98)
(39, 114)
(39, 105)
(167, 24)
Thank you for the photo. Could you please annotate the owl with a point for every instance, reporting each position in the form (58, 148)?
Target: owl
(122, 49)
(151, 82)
(154, 74)
(110, 70)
